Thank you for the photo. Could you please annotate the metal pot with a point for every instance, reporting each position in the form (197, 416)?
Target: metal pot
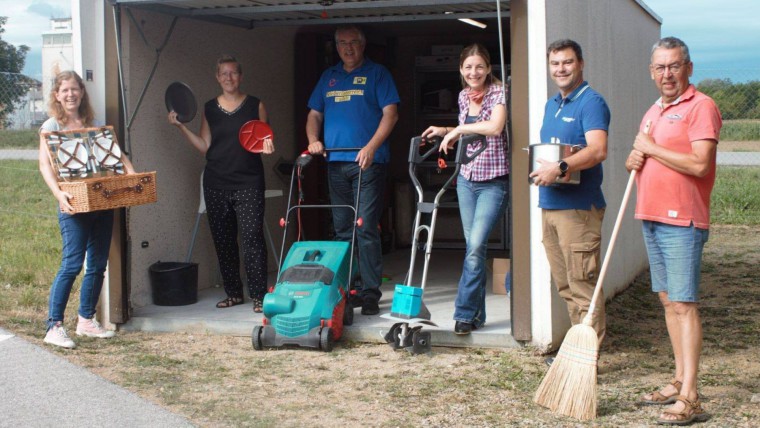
(554, 153)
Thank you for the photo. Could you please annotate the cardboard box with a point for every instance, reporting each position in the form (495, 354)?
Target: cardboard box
(500, 270)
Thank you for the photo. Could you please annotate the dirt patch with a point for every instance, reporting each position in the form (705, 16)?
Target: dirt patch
(221, 381)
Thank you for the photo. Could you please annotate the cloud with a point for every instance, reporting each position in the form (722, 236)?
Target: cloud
(49, 9)
(27, 22)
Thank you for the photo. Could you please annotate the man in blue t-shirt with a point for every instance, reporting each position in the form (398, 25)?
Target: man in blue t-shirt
(572, 214)
(357, 102)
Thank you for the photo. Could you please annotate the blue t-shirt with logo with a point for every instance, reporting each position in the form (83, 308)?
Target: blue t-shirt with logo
(352, 104)
(566, 121)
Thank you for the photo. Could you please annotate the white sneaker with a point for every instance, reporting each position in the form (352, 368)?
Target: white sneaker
(91, 328)
(57, 336)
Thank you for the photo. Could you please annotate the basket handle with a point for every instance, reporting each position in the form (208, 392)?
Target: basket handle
(108, 193)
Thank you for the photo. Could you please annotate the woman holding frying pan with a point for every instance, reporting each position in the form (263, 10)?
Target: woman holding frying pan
(233, 183)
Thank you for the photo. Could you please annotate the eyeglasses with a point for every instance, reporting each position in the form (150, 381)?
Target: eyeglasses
(674, 68)
(229, 74)
(345, 44)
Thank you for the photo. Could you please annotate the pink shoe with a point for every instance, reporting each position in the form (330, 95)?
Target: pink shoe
(57, 336)
(91, 328)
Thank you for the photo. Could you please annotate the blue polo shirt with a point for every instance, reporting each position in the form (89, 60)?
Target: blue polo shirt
(352, 104)
(566, 121)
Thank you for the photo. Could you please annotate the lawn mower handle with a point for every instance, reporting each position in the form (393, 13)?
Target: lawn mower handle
(301, 161)
(305, 157)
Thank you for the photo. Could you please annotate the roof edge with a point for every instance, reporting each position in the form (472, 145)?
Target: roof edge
(649, 10)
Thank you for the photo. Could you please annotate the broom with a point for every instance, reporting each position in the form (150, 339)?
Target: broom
(569, 387)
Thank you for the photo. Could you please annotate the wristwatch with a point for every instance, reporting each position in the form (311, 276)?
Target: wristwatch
(563, 166)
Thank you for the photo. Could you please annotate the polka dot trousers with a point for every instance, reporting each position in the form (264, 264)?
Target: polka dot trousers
(227, 210)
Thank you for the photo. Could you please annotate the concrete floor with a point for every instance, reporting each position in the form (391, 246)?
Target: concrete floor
(439, 295)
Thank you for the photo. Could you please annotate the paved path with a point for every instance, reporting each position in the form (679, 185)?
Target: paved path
(724, 158)
(41, 389)
(18, 154)
(739, 158)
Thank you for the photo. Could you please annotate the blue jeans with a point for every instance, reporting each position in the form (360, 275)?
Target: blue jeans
(481, 206)
(675, 259)
(343, 178)
(85, 233)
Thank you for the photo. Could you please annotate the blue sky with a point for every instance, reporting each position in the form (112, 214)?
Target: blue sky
(721, 34)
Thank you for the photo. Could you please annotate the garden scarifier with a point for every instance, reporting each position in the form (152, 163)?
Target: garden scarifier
(309, 304)
(407, 299)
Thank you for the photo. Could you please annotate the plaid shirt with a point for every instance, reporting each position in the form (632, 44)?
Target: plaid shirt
(493, 161)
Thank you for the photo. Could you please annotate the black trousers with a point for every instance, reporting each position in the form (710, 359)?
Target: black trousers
(228, 210)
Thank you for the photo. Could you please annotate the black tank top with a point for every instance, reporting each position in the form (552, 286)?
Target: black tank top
(228, 165)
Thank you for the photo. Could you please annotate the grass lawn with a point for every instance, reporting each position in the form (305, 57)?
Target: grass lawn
(24, 139)
(740, 130)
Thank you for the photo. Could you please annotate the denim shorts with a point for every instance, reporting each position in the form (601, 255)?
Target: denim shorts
(675, 259)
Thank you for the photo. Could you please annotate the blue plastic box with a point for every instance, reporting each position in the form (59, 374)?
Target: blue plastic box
(407, 301)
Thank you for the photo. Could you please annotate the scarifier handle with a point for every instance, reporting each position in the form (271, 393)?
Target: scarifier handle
(613, 238)
(465, 142)
(414, 155)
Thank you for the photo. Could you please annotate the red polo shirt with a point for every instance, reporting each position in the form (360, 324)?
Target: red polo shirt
(668, 196)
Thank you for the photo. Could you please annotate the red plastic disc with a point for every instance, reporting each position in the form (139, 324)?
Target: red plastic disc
(252, 135)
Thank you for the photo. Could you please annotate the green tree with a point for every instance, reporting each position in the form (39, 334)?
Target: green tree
(12, 84)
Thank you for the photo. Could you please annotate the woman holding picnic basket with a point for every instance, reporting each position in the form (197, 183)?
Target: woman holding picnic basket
(233, 183)
(83, 234)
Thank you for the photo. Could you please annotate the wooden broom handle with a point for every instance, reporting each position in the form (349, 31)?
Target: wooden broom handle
(613, 238)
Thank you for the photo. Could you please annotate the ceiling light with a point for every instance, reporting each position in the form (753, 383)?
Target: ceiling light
(473, 22)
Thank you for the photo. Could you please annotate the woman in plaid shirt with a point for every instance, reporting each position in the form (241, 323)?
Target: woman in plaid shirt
(482, 185)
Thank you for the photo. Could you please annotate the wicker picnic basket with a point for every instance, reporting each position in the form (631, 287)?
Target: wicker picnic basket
(86, 162)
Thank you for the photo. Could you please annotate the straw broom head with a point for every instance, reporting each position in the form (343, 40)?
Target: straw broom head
(569, 387)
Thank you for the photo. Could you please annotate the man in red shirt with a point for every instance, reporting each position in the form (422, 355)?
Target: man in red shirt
(676, 172)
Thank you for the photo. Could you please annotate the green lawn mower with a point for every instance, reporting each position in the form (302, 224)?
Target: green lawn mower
(309, 304)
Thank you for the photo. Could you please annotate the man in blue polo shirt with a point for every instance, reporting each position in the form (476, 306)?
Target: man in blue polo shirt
(356, 101)
(572, 214)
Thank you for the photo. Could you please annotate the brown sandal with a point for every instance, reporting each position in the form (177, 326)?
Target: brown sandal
(258, 305)
(229, 302)
(692, 412)
(659, 399)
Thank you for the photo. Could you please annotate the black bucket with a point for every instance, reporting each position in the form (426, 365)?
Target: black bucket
(174, 283)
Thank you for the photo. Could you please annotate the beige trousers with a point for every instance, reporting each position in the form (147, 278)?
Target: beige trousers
(572, 240)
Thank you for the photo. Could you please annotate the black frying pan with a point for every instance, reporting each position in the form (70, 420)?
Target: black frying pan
(180, 98)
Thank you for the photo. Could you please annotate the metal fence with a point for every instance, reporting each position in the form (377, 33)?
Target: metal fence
(21, 102)
(737, 93)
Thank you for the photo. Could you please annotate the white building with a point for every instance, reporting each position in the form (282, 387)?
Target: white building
(57, 51)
